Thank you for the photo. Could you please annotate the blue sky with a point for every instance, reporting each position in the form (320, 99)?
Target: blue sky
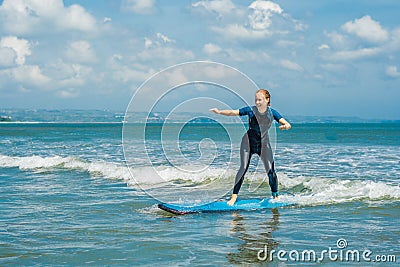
(316, 57)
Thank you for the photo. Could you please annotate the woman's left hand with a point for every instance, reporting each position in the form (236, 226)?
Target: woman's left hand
(285, 126)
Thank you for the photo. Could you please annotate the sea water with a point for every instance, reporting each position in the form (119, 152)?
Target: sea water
(68, 198)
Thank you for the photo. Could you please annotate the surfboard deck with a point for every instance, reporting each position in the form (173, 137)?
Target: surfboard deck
(222, 206)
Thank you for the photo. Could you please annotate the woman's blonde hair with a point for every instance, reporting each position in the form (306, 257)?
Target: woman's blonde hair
(266, 95)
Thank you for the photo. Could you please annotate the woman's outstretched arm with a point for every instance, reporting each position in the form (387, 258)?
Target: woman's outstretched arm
(227, 112)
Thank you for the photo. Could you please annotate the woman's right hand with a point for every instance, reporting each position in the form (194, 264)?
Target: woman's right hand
(215, 110)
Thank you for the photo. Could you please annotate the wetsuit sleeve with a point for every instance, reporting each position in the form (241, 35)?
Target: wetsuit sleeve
(276, 115)
(245, 111)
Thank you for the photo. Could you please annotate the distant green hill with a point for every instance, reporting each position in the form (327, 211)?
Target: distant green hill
(5, 118)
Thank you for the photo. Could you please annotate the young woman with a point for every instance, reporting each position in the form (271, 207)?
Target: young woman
(256, 139)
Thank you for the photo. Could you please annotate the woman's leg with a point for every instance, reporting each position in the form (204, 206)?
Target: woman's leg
(245, 156)
(268, 161)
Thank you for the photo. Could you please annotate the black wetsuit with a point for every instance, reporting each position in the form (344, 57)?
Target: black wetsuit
(256, 141)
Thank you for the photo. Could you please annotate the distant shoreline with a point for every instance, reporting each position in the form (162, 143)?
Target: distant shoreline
(78, 116)
(105, 123)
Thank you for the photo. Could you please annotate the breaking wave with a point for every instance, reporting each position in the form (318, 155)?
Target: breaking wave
(302, 190)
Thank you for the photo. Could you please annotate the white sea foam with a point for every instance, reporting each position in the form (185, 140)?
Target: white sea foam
(37, 163)
(317, 191)
(304, 190)
(141, 175)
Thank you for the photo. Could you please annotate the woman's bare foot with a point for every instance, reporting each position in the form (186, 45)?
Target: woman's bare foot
(233, 200)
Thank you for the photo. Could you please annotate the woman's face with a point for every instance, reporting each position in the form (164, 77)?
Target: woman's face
(260, 101)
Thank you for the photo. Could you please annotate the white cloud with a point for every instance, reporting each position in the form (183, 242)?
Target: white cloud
(361, 39)
(75, 17)
(255, 22)
(161, 48)
(138, 6)
(211, 49)
(57, 76)
(28, 16)
(80, 51)
(393, 45)
(68, 93)
(127, 74)
(291, 65)
(245, 55)
(177, 76)
(221, 7)
(336, 39)
(267, 6)
(66, 74)
(356, 54)
(367, 29)
(324, 46)
(159, 40)
(13, 53)
(236, 54)
(164, 38)
(107, 19)
(123, 71)
(30, 75)
(7, 57)
(147, 42)
(392, 71)
(236, 31)
(262, 11)
(20, 46)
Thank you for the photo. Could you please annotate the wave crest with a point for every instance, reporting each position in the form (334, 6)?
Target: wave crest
(304, 191)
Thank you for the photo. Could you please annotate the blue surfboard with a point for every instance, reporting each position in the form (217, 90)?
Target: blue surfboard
(221, 206)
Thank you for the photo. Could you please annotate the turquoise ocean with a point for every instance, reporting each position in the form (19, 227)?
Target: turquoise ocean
(67, 197)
